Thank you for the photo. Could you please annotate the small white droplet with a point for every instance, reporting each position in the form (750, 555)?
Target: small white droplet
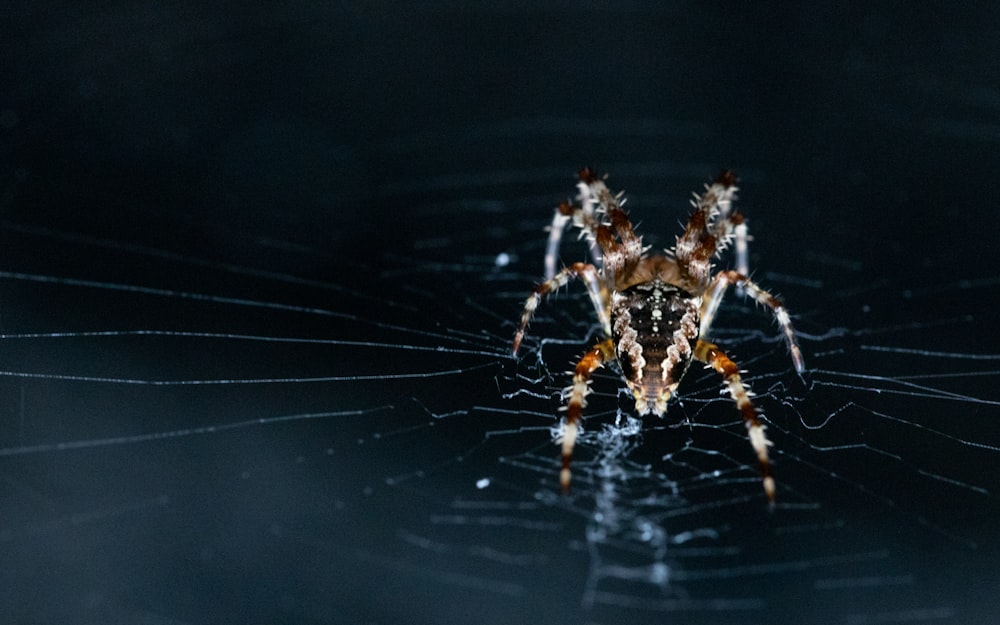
(502, 259)
(483, 483)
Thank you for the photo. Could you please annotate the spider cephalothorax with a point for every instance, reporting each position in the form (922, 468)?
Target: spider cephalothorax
(656, 310)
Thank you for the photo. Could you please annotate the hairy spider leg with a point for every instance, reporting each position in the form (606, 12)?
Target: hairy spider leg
(741, 251)
(618, 257)
(595, 200)
(715, 358)
(593, 360)
(732, 227)
(559, 222)
(726, 180)
(700, 240)
(581, 217)
(717, 290)
(591, 277)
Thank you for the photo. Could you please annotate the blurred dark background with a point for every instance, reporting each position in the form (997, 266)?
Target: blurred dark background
(236, 119)
(343, 158)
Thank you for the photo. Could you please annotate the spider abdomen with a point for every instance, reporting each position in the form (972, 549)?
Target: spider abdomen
(654, 326)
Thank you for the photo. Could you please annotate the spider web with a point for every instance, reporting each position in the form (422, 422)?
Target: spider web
(187, 424)
(255, 359)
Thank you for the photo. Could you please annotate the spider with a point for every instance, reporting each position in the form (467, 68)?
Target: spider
(656, 310)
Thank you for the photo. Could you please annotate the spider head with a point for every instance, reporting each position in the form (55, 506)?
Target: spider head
(654, 326)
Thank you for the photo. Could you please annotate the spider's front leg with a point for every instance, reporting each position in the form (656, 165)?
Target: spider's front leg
(601, 353)
(714, 357)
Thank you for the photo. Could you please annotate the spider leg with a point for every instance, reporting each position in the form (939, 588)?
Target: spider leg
(559, 222)
(714, 357)
(742, 253)
(617, 256)
(702, 237)
(716, 291)
(594, 359)
(596, 290)
(584, 219)
(731, 227)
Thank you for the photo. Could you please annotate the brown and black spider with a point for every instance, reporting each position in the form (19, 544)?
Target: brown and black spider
(656, 309)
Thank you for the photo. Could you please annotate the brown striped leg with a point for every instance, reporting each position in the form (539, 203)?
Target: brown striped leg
(617, 256)
(590, 276)
(716, 291)
(601, 353)
(698, 244)
(718, 360)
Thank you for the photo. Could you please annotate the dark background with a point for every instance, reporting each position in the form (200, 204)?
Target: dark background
(350, 172)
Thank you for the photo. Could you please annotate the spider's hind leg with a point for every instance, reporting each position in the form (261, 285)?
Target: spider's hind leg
(594, 359)
(717, 359)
